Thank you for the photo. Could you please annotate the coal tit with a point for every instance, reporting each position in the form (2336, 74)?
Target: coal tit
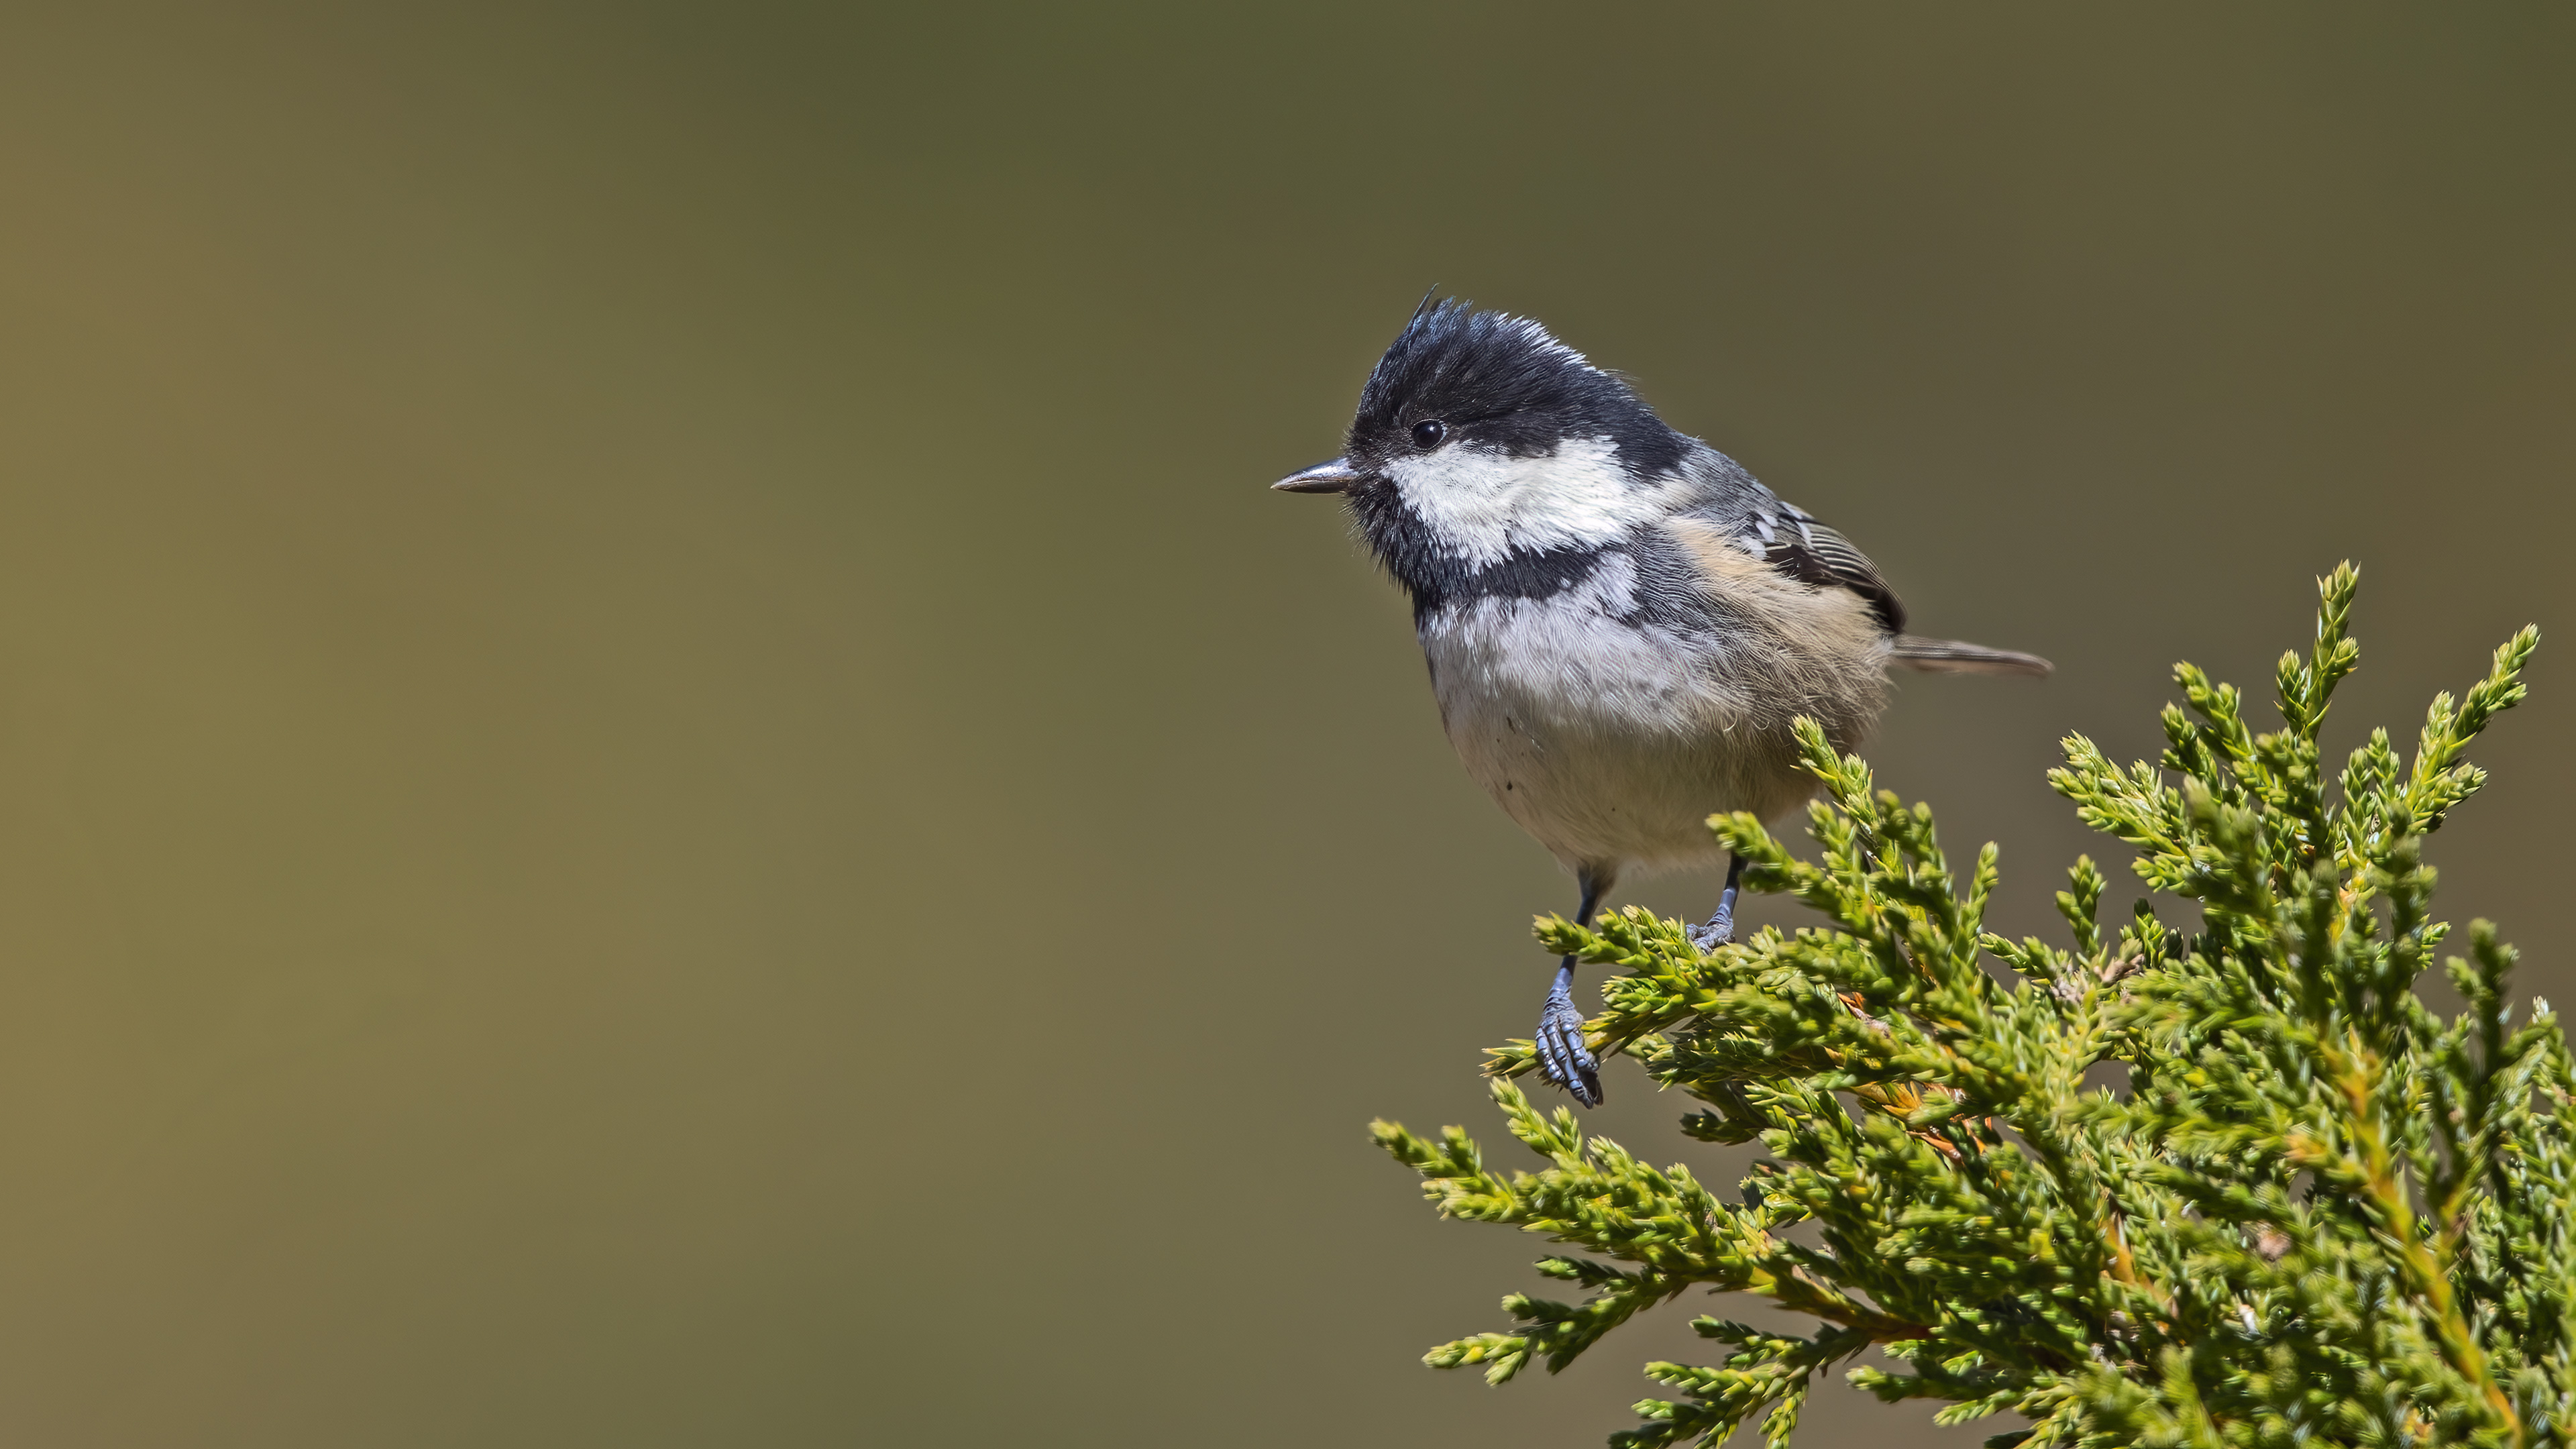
(1621, 623)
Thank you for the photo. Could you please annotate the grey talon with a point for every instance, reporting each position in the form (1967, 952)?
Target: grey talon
(1720, 928)
(1563, 1058)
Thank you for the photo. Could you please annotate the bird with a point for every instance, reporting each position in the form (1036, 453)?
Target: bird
(1622, 624)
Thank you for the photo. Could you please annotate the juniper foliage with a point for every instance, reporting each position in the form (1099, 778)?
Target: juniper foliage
(2320, 1214)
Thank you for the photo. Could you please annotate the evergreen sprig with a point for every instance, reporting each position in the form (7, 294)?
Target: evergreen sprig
(2319, 1214)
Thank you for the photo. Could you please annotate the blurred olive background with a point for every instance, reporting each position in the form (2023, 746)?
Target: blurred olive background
(667, 780)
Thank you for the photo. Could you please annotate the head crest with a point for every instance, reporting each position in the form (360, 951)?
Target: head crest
(1506, 381)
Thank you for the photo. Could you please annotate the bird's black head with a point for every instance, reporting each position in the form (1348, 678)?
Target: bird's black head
(1497, 384)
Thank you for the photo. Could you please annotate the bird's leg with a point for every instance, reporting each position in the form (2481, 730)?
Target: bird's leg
(1720, 928)
(1562, 1056)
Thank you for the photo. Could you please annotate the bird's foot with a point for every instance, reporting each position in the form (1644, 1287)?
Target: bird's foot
(1562, 1056)
(1714, 932)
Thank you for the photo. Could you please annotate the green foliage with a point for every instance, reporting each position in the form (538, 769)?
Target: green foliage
(2319, 1214)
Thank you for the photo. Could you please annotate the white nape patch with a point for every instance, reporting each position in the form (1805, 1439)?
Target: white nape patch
(1481, 506)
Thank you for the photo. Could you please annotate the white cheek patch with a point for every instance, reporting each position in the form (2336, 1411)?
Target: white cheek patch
(1482, 506)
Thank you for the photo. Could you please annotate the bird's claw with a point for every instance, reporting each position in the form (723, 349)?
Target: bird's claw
(1712, 933)
(1562, 1056)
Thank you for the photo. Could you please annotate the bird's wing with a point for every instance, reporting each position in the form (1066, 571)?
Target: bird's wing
(1789, 539)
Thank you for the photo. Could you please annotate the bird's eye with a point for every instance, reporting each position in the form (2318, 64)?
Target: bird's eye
(1428, 433)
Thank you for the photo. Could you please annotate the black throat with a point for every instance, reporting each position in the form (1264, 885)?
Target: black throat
(1436, 578)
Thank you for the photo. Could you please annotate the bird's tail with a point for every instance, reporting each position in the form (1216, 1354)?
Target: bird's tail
(1952, 656)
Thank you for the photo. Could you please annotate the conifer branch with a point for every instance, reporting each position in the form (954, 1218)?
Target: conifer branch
(2320, 1214)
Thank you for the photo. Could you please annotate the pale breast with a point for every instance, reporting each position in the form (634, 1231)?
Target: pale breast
(1611, 736)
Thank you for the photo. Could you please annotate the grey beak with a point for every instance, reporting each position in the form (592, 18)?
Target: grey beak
(1334, 477)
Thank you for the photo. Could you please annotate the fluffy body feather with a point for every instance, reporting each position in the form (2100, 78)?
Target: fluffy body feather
(1610, 722)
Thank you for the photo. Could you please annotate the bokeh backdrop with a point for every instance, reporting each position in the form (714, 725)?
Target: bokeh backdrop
(665, 778)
